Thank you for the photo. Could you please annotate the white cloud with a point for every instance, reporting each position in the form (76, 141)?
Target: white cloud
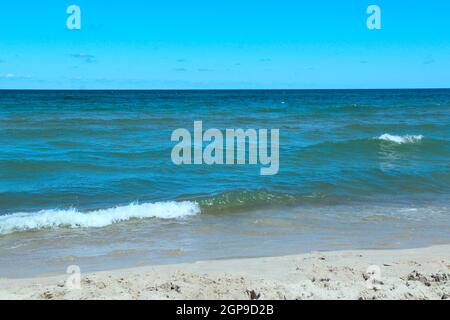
(89, 58)
(8, 76)
(11, 76)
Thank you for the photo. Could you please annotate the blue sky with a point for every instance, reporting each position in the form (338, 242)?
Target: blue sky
(204, 44)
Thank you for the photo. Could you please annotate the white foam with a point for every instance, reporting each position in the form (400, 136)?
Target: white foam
(72, 218)
(400, 139)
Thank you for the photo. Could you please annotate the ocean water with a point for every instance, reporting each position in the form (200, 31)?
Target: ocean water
(86, 177)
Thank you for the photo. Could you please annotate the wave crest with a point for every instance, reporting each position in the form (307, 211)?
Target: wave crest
(72, 218)
(400, 139)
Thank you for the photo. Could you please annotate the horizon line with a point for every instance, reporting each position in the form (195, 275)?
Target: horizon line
(227, 89)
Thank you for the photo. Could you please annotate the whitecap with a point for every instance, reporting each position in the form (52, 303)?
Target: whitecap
(400, 139)
(72, 218)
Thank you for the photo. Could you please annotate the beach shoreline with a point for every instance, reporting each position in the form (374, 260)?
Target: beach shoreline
(419, 273)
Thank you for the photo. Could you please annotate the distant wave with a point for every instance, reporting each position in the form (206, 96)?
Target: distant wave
(369, 144)
(400, 139)
(72, 218)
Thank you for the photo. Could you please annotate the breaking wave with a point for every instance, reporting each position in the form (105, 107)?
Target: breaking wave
(72, 218)
(400, 139)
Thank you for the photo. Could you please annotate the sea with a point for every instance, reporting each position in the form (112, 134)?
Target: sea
(87, 178)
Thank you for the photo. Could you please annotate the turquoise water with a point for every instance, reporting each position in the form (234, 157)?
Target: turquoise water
(97, 164)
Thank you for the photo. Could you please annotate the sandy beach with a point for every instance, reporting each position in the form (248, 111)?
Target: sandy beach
(422, 273)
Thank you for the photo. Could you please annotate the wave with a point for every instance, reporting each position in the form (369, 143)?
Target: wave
(400, 139)
(356, 190)
(370, 144)
(238, 200)
(72, 218)
(247, 200)
(230, 202)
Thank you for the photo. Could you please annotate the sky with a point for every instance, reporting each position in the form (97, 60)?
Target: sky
(218, 44)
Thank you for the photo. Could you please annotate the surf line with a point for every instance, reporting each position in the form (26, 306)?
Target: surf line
(229, 148)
